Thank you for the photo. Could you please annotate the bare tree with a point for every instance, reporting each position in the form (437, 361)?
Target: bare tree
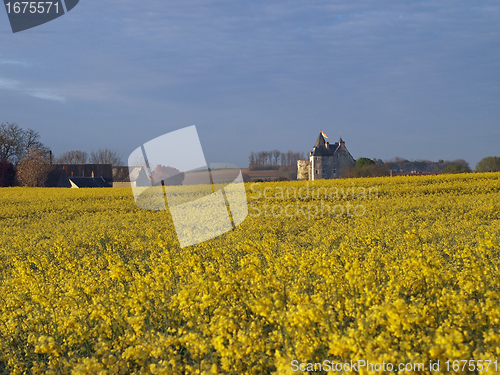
(15, 142)
(32, 139)
(252, 160)
(276, 155)
(273, 159)
(10, 142)
(264, 157)
(72, 157)
(105, 156)
(34, 167)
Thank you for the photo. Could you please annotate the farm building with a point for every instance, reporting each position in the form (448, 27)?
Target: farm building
(80, 176)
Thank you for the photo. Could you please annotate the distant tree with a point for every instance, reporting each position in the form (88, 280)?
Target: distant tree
(400, 165)
(488, 164)
(105, 156)
(282, 178)
(460, 161)
(15, 142)
(252, 160)
(266, 158)
(273, 159)
(371, 170)
(34, 167)
(456, 168)
(11, 142)
(72, 157)
(348, 172)
(289, 157)
(276, 154)
(7, 173)
(362, 162)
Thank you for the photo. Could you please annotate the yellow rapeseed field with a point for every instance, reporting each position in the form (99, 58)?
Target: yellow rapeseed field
(382, 270)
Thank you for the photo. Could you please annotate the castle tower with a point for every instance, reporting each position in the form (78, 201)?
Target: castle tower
(325, 160)
(316, 158)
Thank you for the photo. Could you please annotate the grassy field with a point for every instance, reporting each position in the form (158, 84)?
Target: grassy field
(387, 270)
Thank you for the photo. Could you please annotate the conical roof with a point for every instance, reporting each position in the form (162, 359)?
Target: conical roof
(320, 141)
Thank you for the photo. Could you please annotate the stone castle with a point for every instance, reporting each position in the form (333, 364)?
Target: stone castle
(325, 160)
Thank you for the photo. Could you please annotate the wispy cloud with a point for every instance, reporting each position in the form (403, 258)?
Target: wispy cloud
(15, 85)
(8, 84)
(41, 93)
(46, 94)
(14, 62)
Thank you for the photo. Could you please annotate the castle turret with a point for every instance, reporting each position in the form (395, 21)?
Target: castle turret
(320, 141)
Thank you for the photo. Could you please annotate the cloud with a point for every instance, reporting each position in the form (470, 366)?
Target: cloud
(41, 93)
(8, 84)
(46, 94)
(14, 85)
(14, 62)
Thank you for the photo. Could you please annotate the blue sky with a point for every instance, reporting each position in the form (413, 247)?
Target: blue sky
(415, 79)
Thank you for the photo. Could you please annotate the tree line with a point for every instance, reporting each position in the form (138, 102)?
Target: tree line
(366, 167)
(26, 161)
(400, 165)
(273, 159)
(102, 156)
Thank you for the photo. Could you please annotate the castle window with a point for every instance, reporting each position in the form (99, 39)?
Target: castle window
(316, 171)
